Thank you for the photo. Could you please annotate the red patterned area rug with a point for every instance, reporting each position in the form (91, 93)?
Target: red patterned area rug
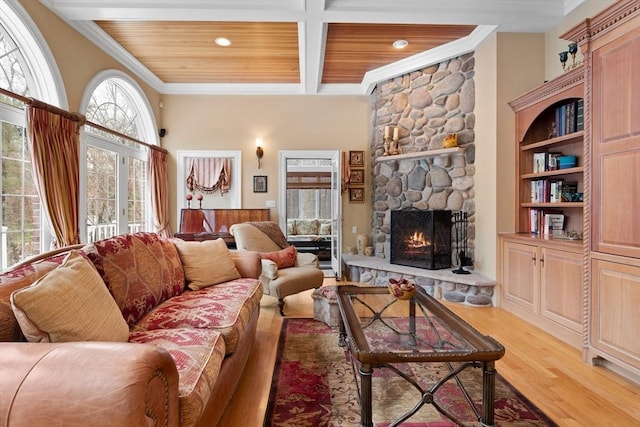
(313, 385)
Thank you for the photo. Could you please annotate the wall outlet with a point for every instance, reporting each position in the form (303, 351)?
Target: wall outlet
(271, 203)
(354, 229)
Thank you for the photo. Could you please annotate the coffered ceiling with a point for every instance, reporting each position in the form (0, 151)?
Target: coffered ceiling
(293, 46)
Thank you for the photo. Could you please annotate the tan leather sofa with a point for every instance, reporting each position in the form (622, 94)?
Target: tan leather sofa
(183, 357)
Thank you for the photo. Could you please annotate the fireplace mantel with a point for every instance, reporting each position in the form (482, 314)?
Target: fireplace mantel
(422, 154)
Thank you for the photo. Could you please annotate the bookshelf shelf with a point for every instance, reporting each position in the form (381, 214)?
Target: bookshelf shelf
(552, 205)
(557, 141)
(558, 172)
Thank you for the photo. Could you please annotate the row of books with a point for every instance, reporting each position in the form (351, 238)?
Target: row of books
(546, 222)
(570, 118)
(553, 190)
(545, 162)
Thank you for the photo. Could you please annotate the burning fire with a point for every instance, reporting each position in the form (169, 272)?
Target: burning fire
(417, 240)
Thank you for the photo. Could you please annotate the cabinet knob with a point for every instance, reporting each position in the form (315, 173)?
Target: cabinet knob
(534, 259)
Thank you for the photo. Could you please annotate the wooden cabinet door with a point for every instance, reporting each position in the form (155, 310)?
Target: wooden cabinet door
(615, 321)
(520, 276)
(616, 146)
(561, 288)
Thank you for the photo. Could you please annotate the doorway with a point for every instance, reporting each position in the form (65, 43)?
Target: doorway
(310, 200)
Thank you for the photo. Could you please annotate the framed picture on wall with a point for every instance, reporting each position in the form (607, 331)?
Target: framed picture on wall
(356, 195)
(260, 184)
(356, 158)
(356, 177)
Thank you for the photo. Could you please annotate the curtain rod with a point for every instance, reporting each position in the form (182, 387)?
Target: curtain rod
(81, 118)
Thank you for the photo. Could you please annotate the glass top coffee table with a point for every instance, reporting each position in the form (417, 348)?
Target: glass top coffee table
(380, 330)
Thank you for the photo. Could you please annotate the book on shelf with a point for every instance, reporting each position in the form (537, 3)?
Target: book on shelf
(545, 161)
(553, 224)
(546, 221)
(580, 115)
(555, 191)
(568, 190)
(552, 161)
(539, 160)
(569, 117)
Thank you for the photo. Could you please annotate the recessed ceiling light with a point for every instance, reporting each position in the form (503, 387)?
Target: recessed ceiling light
(223, 41)
(400, 44)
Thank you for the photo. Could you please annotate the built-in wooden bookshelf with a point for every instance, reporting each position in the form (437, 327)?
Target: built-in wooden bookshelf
(549, 123)
(541, 272)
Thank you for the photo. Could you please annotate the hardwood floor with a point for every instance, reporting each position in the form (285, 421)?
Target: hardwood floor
(550, 373)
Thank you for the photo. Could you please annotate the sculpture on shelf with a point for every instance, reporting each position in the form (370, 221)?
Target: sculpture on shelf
(450, 141)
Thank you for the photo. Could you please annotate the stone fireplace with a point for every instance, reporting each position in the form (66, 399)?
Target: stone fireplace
(421, 238)
(426, 105)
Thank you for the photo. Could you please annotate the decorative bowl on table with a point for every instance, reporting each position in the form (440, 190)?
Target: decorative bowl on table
(402, 289)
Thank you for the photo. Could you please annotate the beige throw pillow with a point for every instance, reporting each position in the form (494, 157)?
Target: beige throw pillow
(206, 263)
(70, 303)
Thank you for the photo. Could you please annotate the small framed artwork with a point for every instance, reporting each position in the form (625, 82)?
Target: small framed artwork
(356, 195)
(356, 158)
(357, 176)
(260, 184)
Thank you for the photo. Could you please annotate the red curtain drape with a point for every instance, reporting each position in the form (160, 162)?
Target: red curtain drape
(159, 185)
(54, 140)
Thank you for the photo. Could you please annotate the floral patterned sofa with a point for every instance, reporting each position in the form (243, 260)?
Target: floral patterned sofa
(134, 330)
(308, 229)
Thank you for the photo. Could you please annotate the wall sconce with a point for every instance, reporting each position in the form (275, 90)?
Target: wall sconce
(259, 150)
(391, 144)
(564, 57)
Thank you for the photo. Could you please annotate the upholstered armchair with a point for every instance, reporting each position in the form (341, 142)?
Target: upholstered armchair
(284, 270)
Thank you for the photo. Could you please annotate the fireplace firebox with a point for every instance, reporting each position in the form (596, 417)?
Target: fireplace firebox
(421, 238)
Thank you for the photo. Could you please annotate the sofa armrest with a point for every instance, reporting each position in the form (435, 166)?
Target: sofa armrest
(110, 384)
(269, 269)
(247, 263)
(307, 259)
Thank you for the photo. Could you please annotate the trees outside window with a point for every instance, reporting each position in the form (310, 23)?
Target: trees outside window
(116, 191)
(20, 219)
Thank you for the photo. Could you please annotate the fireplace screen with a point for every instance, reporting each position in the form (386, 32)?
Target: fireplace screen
(421, 238)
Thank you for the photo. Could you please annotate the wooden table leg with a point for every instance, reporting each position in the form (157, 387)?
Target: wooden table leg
(488, 393)
(365, 397)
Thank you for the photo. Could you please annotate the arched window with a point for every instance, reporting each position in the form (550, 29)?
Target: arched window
(27, 68)
(114, 186)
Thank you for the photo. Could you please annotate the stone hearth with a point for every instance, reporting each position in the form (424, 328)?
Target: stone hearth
(471, 289)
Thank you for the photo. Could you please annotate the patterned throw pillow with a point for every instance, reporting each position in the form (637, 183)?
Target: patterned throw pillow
(307, 226)
(70, 303)
(284, 258)
(141, 270)
(325, 228)
(206, 263)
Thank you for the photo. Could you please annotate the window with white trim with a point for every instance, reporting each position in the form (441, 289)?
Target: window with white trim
(115, 190)
(26, 69)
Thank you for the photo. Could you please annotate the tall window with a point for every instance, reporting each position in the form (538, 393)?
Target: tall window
(26, 69)
(116, 191)
(309, 188)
